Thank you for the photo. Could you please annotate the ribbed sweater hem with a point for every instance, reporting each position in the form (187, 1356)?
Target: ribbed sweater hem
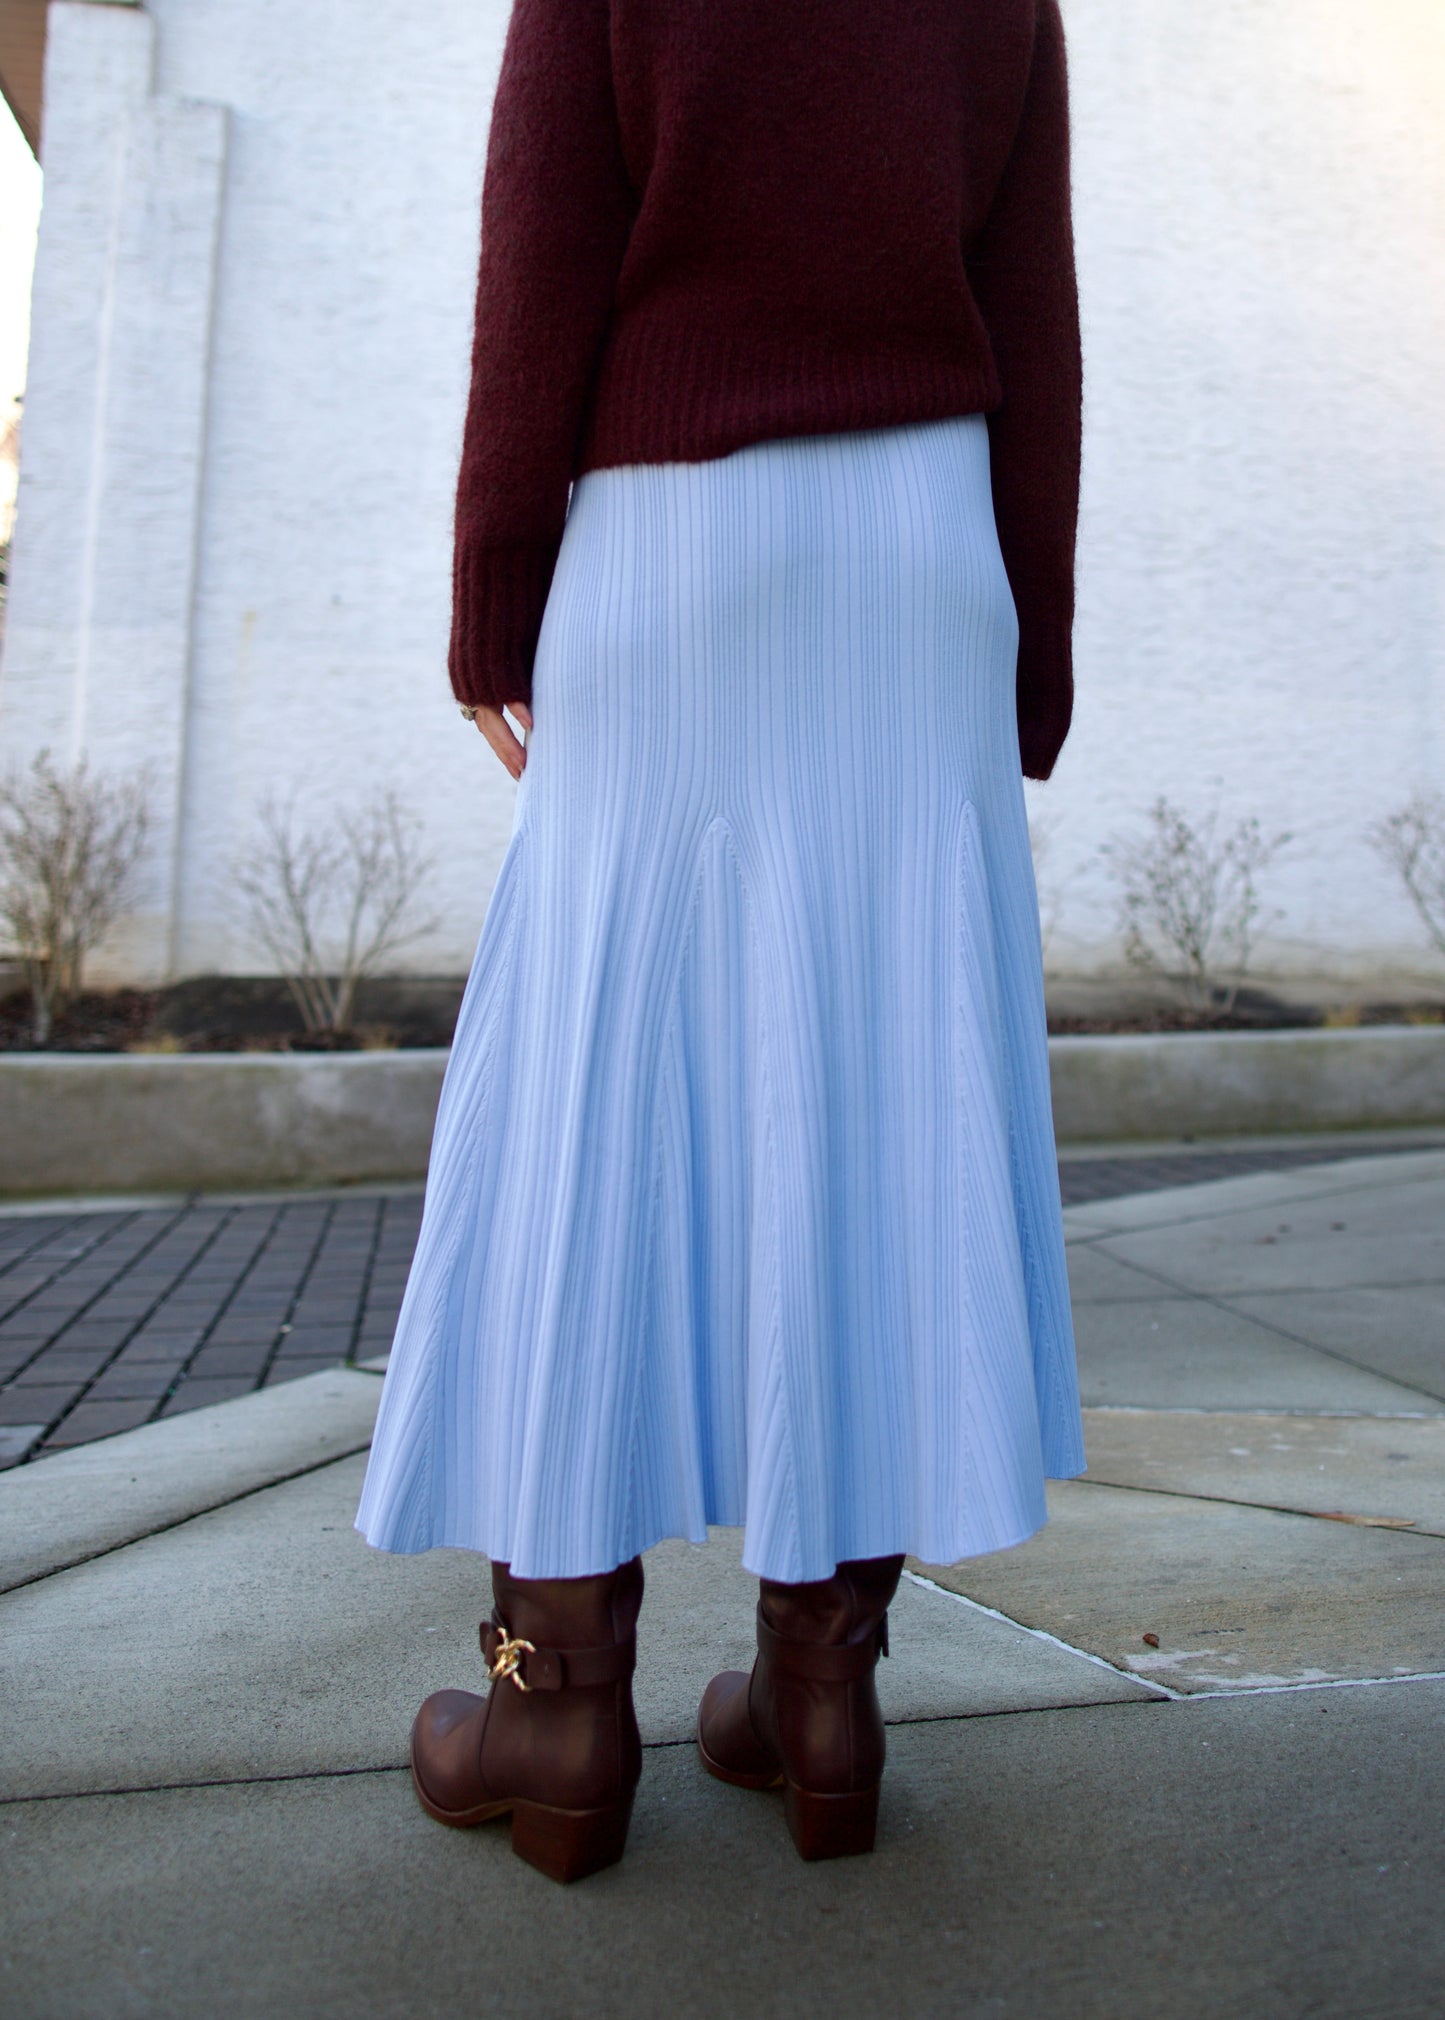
(664, 395)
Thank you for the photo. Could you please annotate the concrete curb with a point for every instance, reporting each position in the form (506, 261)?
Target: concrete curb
(1215, 1083)
(143, 1121)
(75, 1505)
(133, 1122)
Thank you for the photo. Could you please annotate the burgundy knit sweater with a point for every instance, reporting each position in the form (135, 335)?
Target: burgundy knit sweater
(712, 222)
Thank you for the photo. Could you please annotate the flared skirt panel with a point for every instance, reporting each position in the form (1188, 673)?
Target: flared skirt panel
(743, 1205)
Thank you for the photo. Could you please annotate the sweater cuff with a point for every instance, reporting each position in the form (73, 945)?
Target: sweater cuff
(1045, 695)
(498, 597)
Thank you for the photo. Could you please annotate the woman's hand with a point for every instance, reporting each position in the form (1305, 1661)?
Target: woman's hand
(499, 734)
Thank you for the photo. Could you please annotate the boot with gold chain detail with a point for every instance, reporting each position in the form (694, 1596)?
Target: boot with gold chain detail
(555, 1741)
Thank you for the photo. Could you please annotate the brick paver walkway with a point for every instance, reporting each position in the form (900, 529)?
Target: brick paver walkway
(111, 1318)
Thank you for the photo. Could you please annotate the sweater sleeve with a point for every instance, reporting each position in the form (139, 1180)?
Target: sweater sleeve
(557, 207)
(1021, 269)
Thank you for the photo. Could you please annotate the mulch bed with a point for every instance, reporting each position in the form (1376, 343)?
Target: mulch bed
(1258, 1012)
(226, 1013)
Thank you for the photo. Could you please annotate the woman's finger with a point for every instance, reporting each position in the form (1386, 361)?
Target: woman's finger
(500, 735)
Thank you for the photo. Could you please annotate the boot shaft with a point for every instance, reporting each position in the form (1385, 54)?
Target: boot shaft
(813, 1697)
(581, 1738)
(597, 1612)
(843, 1609)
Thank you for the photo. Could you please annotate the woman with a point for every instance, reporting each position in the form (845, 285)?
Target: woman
(743, 1205)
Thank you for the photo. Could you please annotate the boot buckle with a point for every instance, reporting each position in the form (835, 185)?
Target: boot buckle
(507, 1653)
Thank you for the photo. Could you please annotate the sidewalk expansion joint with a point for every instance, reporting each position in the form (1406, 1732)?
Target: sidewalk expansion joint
(1164, 1690)
(403, 1767)
(1392, 1525)
(1320, 1683)
(1164, 1695)
(323, 1774)
(1042, 1634)
(191, 1515)
(1222, 1303)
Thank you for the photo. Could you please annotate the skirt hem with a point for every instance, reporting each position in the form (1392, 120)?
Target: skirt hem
(1006, 1537)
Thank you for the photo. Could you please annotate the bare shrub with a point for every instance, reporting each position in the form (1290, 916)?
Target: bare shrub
(1189, 900)
(69, 844)
(332, 908)
(1412, 842)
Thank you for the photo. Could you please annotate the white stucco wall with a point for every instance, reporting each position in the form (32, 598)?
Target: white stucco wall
(1260, 204)
(248, 365)
(333, 360)
(114, 443)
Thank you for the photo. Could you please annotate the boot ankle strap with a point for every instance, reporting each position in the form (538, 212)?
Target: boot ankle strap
(533, 1668)
(822, 1661)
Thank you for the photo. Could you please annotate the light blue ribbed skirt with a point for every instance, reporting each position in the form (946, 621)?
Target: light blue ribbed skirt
(743, 1205)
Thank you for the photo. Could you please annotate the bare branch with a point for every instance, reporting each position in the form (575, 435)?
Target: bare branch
(69, 846)
(1189, 901)
(331, 909)
(1412, 842)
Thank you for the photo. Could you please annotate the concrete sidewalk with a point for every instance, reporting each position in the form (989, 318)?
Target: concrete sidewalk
(1180, 1754)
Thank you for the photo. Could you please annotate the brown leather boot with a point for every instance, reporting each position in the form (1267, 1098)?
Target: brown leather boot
(807, 1719)
(555, 1741)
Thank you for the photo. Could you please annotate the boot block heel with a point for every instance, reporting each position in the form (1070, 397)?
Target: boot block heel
(831, 1827)
(569, 1844)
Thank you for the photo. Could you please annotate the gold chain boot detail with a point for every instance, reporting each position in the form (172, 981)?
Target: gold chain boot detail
(555, 1741)
(807, 1719)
